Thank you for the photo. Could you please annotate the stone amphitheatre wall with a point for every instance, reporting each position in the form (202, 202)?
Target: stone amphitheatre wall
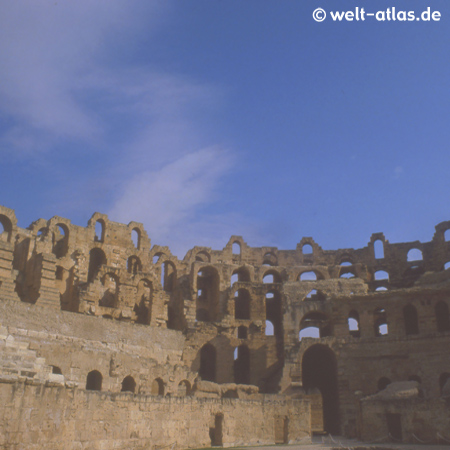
(102, 299)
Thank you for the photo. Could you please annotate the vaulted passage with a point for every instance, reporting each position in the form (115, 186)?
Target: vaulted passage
(319, 369)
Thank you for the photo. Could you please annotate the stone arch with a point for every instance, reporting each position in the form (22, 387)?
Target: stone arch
(270, 259)
(128, 384)
(158, 387)
(208, 291)
(144, 301)
(241, 275)
(319, 370)
(242, 365)
(207, 369)
(380, 322)
(134, 265)
(274, 312)
(136, 235)
(100, 230)
(168, 275)
(203, 256)
(60, 240)
(97, 258)
(271, 276)
(5, 228)
(110, 296)
(184, 388)
(317, 320)
(236, 248)
(353, 324)
(414, 254)
(94, 381)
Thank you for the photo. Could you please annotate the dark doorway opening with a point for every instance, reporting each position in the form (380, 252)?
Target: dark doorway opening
(394, 423)
(319, 369)
(216, 432)
(281, 430)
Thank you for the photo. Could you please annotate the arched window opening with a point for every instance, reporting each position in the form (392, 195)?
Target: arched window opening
(242, 304)
(168, 276)
(318, 320)
(307, 249)
(381, 275)
(136, 237)
(319, 371)
(184, 388)
(309, 332)
(94, 381)
(242, 332)
(308, 276)
(41, 232)
(208, 283)
(274, 313)
(382, 384)
(134, 265)
(60, 240)
(110, 295)
(347, 274)
(380, 322)
(414, 255)
(447, 235)
(236, 248)
(269, 328)
(346, 263)
(353, 324)
(144, 299)
(56, 370)
(447, 265)
(270, 259)
(216, 433)
(203, 257)
(242, 365)
(442, 317)
(99, 231)
(207, 369)
(241, 275)
(378, 247)
(158, 387)
(381, 289)
(157, 257)
(5, 228)
(443, 379)
(97, 258)
(271, 276)
(315, 295)
(410, 320)
(128, 384)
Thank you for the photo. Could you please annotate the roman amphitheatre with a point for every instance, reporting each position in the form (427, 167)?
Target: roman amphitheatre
(109, 341)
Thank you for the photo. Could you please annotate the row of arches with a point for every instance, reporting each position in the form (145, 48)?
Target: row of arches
(316, 324)
(241, 365)
(94, 381)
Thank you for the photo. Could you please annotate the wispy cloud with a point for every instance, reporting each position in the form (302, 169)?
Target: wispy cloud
(61, 90)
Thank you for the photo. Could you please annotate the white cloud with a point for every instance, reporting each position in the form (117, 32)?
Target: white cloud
(62, 90)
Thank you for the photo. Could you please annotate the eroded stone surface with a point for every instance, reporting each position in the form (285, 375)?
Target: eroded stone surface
(108, 341)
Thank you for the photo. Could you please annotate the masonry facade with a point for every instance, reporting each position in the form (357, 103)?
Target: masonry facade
(106, 340)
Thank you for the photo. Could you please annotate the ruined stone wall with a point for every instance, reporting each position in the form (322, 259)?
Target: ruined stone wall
(103, 298)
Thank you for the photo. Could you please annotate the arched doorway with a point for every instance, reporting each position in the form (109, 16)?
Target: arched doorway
(319, 370)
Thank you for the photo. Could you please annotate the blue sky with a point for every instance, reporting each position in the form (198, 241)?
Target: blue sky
(207, 118)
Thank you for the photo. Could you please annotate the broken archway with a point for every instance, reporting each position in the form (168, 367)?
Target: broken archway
(319, 369)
